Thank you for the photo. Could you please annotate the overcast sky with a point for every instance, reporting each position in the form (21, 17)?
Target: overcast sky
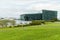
(13, 8)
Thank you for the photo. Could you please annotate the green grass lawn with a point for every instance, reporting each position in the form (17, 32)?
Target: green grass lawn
(50, 31)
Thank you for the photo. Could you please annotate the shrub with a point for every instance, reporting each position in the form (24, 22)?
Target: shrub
(36, 22)
(10, 26)
(42, 21)
(52, 20)
(18, 26)
(26, 25)
(55, 19)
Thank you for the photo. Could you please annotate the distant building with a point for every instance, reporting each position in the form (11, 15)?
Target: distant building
(29, 17)
(49, 15)
(45, 15)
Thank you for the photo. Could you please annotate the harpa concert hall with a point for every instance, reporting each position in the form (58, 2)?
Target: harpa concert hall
(45, 15)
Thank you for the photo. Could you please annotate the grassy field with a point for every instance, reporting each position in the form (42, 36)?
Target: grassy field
(50, 31)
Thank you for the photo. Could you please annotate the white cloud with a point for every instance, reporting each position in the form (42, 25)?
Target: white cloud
(16, 7)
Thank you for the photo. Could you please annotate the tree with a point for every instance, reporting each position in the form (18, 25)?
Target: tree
(5, 23)
(12, 22)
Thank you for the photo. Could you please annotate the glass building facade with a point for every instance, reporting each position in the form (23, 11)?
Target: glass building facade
(29, 17)
(49, 15)
(45, 15)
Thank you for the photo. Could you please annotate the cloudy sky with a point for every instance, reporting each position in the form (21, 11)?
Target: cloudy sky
(13, 8)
